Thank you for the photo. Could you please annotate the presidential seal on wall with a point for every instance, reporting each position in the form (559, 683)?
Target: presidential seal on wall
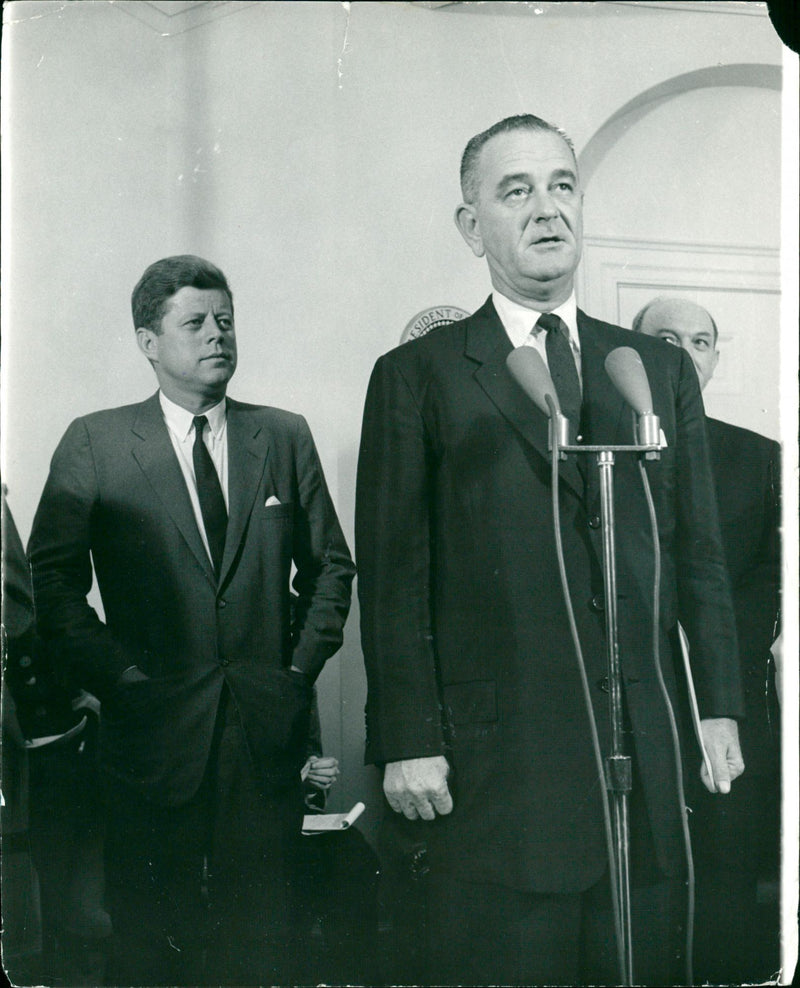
(423, 322)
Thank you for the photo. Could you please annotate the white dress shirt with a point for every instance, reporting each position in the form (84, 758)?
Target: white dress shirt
(519, 322)
(180, 425)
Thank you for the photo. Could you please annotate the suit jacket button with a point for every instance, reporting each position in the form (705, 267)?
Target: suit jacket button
(602, 684)
(225, 662)
(594, 521)
(598, 604)
(222, 602)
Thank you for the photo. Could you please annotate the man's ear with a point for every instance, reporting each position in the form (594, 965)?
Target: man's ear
(148, 343)
(467, 223)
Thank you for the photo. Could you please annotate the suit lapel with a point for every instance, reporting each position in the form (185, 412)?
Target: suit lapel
(155, 455)
(488, 344)
(248, 448)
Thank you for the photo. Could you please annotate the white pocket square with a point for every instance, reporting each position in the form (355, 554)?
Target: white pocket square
(271, 501)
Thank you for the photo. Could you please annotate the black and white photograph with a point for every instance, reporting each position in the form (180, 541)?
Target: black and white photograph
(398, 447)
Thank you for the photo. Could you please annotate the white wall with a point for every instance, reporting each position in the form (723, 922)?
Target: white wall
(311, 150)
(703, 166)
(705, 163)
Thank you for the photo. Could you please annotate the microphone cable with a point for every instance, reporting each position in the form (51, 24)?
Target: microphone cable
(587, 696)
(676, 747)
(689, 941)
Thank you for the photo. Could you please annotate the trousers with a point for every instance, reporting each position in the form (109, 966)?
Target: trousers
(203, 893)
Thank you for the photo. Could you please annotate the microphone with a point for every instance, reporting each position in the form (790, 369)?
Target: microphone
(625, 368)
(530, 372)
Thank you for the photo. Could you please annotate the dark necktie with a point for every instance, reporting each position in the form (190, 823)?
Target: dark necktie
(209, 491)
(563, 371)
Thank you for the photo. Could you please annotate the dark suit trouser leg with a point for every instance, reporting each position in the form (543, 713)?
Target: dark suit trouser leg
(167, 930)
(736, 841)
(658, 915)
(153, 862)
(338, 910)
(484, 934)
(253, 861)
(66, 846)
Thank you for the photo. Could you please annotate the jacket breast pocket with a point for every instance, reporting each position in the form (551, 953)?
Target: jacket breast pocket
(277, 512)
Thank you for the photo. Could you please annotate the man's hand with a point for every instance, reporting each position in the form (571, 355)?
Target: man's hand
(721, 741)
(417, 787)
(321, 772)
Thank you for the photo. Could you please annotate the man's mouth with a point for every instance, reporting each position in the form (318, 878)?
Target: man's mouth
(553, 239)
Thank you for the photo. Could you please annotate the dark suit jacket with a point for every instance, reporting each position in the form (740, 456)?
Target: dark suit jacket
(465, 634)
(116, 497)
(747, 475)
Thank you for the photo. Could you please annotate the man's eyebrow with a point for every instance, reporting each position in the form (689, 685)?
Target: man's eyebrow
(223, 310)
(564, 173)
(526, 179)
(516, 179)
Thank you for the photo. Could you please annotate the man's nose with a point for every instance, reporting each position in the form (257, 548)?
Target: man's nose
(544, 206)
(212, 327)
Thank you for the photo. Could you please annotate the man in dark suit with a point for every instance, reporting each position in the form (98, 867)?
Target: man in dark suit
(736, 841)
(193, 509)
(51, 792)
(474, 705)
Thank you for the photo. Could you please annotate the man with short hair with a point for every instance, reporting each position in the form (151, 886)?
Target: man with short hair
(475, 709)
(736, 841)
(684, 324)
(194, 508)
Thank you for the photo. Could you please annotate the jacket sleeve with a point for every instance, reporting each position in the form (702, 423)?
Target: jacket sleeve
(325, 570)
(393, 551)
(705, 607)
(17, 597)
(61, 568)
(757, 591)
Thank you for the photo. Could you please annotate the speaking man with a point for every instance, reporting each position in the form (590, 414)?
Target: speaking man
(736, 841)
(193, 509)
(474, 707)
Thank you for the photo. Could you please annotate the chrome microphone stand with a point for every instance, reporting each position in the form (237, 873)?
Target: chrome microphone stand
(618, 763)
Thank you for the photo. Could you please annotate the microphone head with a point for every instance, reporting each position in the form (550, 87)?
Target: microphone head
(625, 368)
(530, 372)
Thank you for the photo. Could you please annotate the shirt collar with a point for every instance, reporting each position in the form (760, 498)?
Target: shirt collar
(518, 320)
(181, 421)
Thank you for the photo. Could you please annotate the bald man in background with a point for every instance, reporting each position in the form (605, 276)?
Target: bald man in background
(733, 894)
